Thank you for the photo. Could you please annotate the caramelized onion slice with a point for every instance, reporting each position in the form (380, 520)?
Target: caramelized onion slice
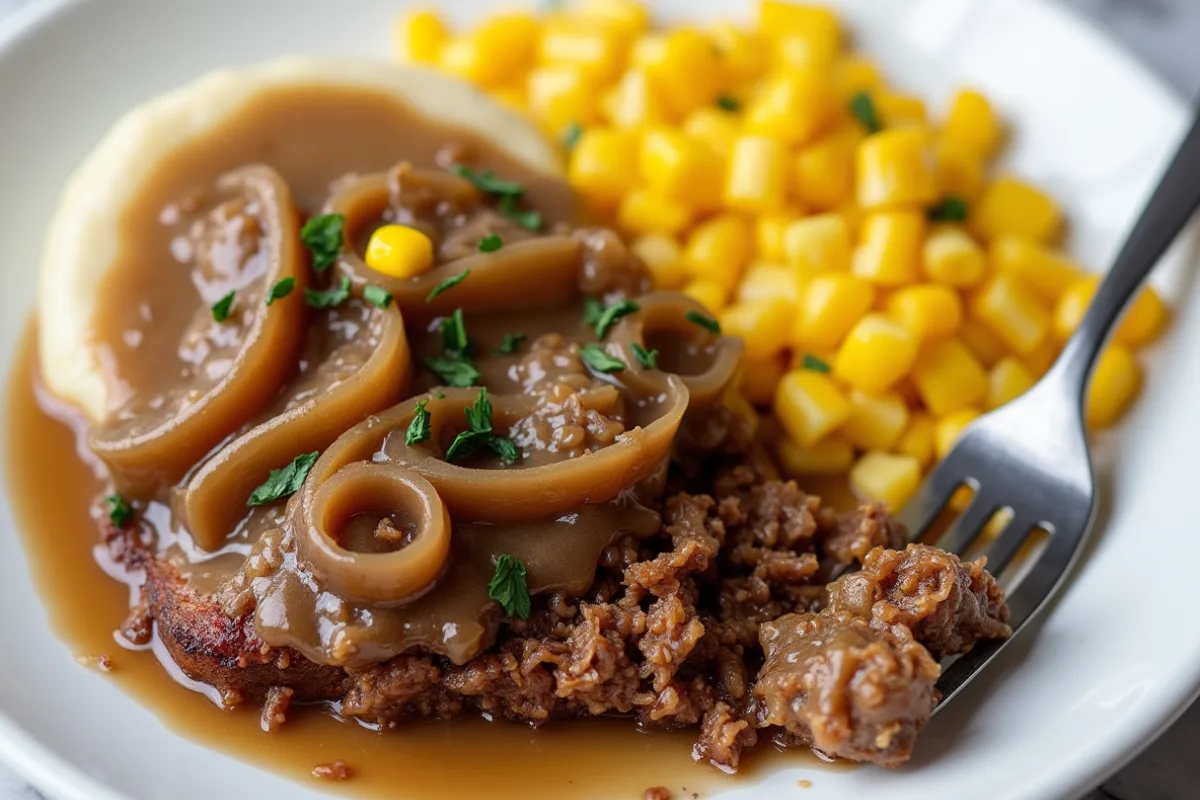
(522, 275)
(215, 497)
(145, 461)
(705, 362)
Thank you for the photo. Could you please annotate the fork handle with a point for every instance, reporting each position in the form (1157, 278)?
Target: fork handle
(1169, 209)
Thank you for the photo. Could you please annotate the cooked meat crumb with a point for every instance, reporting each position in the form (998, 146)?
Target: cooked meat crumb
(333, 771)
(274, 712)
(657, 793)
(138, 626)
(102, 662)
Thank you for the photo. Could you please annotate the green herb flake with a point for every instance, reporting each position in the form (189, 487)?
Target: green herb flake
(479, 413)
(708, 323)
(282, 288)
(457, 372)
(508, 587)
(503, 448)
(419, 428)
(862, 107)
(120, 512)
(329, 298)
(486, 181)
(377, 296)
(221, 308)
(454, 333)
(647, 358)
(323, 236)
(509, 344)
(598, 359)
(727, 103)
(479, 433)
(529, 220)
(571, 135)
(613, 313)
(490, 243)
(284, 482)
(449, 283)
(951, 209)
(815, 364)
(593, 310)
(440, 395)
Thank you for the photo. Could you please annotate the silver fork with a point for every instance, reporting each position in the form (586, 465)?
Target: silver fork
(1031, 456)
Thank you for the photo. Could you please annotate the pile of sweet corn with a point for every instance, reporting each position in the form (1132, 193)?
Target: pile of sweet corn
(888, 285)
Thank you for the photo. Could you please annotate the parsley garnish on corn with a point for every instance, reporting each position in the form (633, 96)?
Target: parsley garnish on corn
(815, 211)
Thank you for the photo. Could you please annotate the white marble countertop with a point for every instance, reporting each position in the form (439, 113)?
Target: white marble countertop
(1164, 33)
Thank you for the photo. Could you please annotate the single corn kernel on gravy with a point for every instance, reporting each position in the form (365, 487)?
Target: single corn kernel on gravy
(502, 515)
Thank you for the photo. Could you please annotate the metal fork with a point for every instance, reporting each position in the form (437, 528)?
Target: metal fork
(1031, 456)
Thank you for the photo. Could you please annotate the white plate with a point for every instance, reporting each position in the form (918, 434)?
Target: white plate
(1064, 706)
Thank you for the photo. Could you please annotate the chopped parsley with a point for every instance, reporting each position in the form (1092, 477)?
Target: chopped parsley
(479, 433)
(815, 364)
(323, 237)
(486, 181)
(862, 107)
(418, 429)
(331, 297)
(647, 358)
(727, 103)
(570, 135)
(377, 296)
(529, 220)
(951, 209)
(284, 482)
(509, 588)
(282, 288)
(221, 308)
(490, 243)
(449, 283)
(598, 359)
(708, 323)
(509, 344)
(454, 333)
(119, 510)
(593, 310)
(457, 372)
(611, 314)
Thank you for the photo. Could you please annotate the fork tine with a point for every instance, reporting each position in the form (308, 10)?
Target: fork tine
(969, 525)
(1015, 534)
(928, 503)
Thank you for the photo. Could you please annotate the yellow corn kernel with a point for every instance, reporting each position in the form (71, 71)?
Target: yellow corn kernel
(756, 178)
(714, 127)
(820, 243)
(633, 102)
(830, 456)
(599, 165)
(685, 66)
(949, 428)
(1010, 207)
(957, 170)
(1144, 320)
(1012, 313)
(718, 250)
(1044, 272)
(759, 378)
(597, 51)
(710, 294)
(983, 344)
(399, 251)
(830, 305)
(769, 232)
(770, 282)
(420, 34)
(809, 405)
(886, 478)
(948, 377)
(559, 96)
(889, 248)
(929, 310)
(877, 352)
(743, 53)
(972, 122)
(663, 258)
(1072, 305)
(1043, 357)
(762, 326)
(1115, 384)
(628, 16)
(791, 107)
(917, 439)
(498, 51)
(644, 211)
(952, 257)
(855, 74)
(876, 420)
(824, 171)
(895, 169)
(514, 96)
(900, 110)
(786, 18)
(1007, 381)
(676, 166)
